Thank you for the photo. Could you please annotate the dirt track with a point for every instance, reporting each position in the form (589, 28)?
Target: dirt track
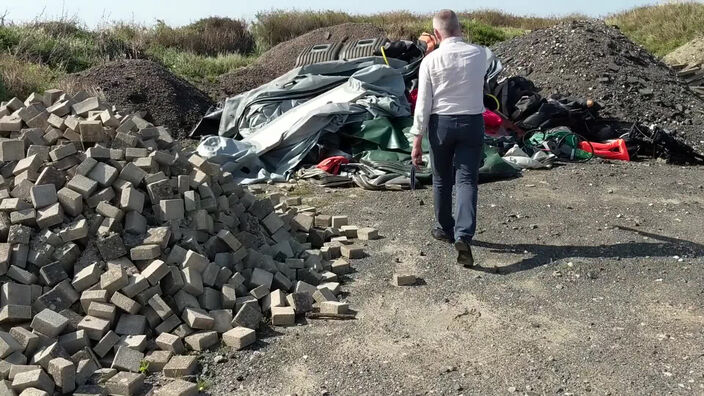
(599, 290)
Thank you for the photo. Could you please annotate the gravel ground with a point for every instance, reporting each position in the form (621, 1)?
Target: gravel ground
(590, 282)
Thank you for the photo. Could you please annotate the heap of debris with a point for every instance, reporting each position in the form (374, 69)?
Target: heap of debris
(140, 85)
(692, 74)
(594, 60)
(120, 252)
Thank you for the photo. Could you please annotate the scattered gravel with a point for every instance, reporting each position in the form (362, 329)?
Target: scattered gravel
(618, 318)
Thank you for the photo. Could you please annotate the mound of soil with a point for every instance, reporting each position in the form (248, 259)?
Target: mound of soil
(588, 59)
(142, 85)
(692, 52)
(282, 57)
(240, 80)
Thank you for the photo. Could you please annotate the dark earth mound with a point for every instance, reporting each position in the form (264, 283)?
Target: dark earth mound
(241, 80)
(282, 57)
(590, 59)
(142, 85)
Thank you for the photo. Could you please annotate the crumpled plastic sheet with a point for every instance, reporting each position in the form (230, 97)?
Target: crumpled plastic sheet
(280, 145)
(540, 160)
(240, 114)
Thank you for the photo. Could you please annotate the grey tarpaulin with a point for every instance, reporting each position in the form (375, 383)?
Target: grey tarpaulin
(250, 110)
(273, 148)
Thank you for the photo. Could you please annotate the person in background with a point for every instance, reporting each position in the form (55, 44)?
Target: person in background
(449, 111)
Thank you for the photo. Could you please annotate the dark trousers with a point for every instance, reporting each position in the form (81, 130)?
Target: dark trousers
(456, 143)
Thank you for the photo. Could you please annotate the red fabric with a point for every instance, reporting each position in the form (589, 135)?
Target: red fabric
(413, 98)
(492, 120)
(332, 164)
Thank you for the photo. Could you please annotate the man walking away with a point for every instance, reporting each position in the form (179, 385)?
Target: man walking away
(449, 109)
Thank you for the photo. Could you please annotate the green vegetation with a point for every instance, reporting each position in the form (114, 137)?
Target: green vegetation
(197, 68)
(59, 45)
(38, 55)
(144, 367)
(202, 384)
(208, 37)
(273, 27)
(21, 78)
(662, 28)
(485, 27)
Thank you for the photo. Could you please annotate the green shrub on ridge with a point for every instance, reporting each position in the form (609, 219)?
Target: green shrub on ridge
(662, 28)
(197, 68)
(210, 36)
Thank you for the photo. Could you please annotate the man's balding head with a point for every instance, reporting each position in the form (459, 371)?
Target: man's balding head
(447, 24)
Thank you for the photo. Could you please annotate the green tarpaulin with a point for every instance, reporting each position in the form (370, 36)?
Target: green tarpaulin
(387, 140)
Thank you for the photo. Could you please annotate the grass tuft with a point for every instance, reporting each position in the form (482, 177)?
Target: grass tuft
(197, 68)
(20, 78)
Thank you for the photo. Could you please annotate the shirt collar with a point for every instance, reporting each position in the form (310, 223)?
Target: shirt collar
(452, 40)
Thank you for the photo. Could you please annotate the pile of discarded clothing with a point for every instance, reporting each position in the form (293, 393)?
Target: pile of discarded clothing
(343, 117)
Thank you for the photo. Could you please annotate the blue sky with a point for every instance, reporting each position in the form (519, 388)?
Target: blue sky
(179, 12)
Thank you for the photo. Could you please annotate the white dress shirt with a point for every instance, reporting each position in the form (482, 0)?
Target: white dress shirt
(450, 82)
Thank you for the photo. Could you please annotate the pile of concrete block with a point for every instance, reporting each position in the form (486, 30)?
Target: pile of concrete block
(120, 252)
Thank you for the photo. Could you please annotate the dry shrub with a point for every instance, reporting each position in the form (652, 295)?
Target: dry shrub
(20, 78)
(209, 36)
(400, 25)
(274, 27)
(502, 19)
(61, 28)
(72, 85)
(122, 40)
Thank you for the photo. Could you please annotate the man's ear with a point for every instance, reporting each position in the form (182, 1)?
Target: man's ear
(438, 36)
